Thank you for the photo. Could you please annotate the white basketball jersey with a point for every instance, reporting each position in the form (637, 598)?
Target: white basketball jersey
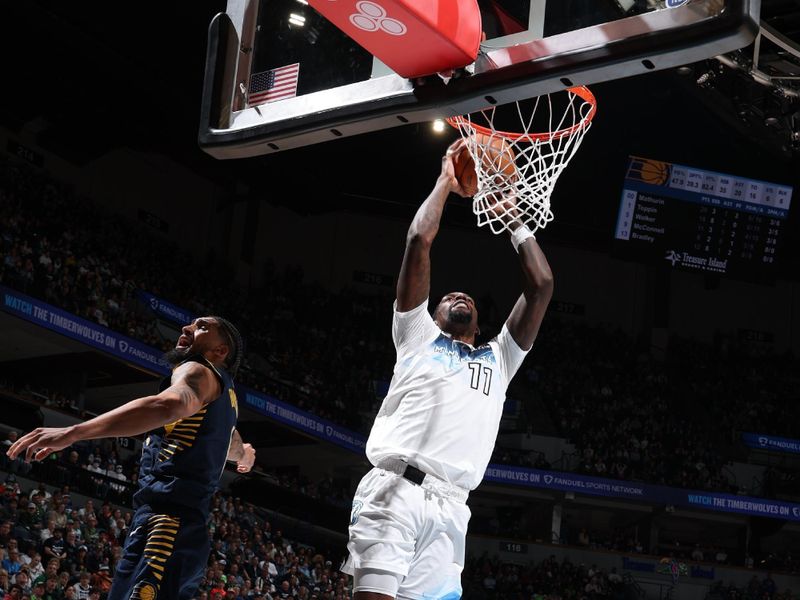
(443, 408)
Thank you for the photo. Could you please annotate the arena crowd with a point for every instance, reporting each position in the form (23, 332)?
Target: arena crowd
(649, 428)
(629, 414)
(54, 548)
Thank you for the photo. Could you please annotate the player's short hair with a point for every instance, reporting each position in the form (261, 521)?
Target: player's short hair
(234, 340)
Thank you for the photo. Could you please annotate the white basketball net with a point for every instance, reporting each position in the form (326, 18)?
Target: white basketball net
(518, 171)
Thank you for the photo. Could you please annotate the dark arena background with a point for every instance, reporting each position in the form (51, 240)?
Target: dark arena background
(650, 444)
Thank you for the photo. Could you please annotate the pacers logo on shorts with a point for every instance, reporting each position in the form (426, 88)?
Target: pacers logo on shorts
(144, 591)
(357, 505)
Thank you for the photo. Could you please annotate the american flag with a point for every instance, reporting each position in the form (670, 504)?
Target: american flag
(274, 84)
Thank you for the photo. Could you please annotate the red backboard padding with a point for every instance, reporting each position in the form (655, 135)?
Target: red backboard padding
(412, 37)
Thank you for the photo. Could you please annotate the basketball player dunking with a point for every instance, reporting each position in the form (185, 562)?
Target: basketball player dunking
(192, 424)
(434, 434)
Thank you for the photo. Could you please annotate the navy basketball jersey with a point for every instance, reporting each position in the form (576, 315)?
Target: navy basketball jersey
(182, 462)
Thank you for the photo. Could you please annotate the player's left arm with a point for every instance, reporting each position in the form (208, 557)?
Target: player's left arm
(526, 317)
(244, 455)
(192, 386)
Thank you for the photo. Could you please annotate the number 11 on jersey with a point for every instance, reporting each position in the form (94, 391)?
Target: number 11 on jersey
(480, 371)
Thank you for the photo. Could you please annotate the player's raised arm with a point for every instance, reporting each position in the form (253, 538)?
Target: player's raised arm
(526, 317)
(413, 284)
(192, 386)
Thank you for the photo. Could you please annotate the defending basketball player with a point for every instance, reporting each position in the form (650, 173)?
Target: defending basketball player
(191, 424)
(434, 434)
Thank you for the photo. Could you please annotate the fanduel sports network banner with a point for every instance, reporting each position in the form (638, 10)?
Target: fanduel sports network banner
(165, 309)
(82, 330)
(305, 421)
(771, 442)
(659, 494)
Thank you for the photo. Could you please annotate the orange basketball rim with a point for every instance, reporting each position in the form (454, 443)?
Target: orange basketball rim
(539, 157)
(581, 92)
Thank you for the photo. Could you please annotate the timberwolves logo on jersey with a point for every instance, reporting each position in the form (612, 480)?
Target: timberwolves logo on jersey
(453, 351)
(480, 361)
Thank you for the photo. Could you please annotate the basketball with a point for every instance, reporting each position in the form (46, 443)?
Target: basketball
(497, 158)
(465, 173)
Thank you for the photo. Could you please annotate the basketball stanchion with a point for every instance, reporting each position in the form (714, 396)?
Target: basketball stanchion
(515, 172)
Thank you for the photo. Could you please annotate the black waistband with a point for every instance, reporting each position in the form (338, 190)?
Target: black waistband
(414, 475)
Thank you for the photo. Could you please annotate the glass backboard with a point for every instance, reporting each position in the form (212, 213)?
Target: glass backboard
(279, 75)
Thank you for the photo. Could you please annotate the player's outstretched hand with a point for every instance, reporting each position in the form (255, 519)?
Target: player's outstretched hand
(246, 463)
(41, 443)
(449, 169)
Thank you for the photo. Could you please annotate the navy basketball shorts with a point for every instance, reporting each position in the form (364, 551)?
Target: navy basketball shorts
(165, 556)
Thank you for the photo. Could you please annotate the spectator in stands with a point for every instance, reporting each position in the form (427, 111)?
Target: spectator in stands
(24, 557)
(17, 465)
(105, 517)
(46, 533)
(37, 591)
(36, 568)
(70, 547)
(82, 587)
(23, 581)
(87, 509)
(11, 564)
(55, 547)
(59, 516)
(51, 571)
(117, 473)
(29, 519)
(63, 579)
(90, 531)
(101, 487)
(68, 470)
(52, 591)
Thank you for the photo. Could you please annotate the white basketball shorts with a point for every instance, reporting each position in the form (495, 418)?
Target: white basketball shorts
(410, 530)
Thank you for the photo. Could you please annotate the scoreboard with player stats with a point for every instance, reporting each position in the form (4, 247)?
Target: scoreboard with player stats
(702, 220)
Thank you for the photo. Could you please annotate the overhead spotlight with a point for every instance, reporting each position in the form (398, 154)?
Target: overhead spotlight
(305, 2)
(438, 125)
(296, 19)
